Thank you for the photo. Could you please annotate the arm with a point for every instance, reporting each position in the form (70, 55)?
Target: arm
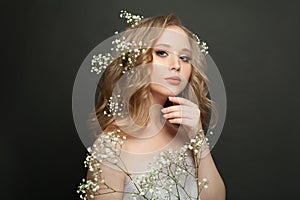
(188, 114)
(109, 178)
(114, 179)
(216, 187)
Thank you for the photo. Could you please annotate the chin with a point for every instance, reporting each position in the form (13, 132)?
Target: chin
(161, 90)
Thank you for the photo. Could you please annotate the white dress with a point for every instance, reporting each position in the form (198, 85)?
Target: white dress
(189, 191)
(138, 165)
(167, 173)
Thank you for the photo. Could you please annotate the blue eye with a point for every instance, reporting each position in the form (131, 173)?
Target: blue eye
(161, 53)
(185, 58)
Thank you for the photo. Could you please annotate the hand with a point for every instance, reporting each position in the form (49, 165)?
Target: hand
(184, 112)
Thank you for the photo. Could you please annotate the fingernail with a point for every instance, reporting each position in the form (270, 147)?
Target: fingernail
(163, 110)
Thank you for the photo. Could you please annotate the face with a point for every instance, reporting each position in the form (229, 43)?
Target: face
(171, 64)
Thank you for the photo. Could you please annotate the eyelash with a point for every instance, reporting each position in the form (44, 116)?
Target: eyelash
(185, 58)
(165, 53)
(159, 52)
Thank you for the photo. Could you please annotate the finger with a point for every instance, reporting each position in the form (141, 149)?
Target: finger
(178, 108)
(169, 109)
(175, 121)
(173, 115)
(182, 101)
(182, 121)
(188, 113)
(185, 111)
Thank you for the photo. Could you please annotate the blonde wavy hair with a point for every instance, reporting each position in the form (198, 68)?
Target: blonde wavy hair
(140, 101)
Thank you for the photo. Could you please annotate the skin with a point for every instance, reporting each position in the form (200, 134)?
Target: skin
(171, 55)
(207, 169)
(186, 113)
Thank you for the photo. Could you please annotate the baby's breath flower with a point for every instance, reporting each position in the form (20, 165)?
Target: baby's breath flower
(166, 173)
(96, 155)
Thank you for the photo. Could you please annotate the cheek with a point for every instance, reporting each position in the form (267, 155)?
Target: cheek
(158, 60)
(187, 72)
(154, 72)
(158, 71)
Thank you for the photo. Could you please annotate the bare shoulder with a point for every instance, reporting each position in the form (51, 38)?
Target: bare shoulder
(111, 183)
(109, 180)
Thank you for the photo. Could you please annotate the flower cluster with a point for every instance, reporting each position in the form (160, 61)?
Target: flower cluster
(127, 51)
(100, 62)
(106, 149)
(114, 106)
(167, 175)
(166, 178)
(130, 18)
(202, 44)
(198, 142)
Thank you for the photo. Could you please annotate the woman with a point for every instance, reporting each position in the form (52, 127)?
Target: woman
(163, 104)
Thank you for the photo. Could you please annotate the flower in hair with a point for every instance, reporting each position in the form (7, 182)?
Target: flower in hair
(202, 44)
(115, 106)
(127, 51)
(130, 18)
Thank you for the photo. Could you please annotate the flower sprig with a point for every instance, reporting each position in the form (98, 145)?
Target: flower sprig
(203, 45)
(198, 142)
(127, 51)
(131, 19)
(115, 106)
(105, 150)
(166, 177)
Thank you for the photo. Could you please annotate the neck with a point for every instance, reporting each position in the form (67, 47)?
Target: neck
(157, 124)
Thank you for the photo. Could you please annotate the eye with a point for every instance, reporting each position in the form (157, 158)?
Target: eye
(185, 58)
(161, 53)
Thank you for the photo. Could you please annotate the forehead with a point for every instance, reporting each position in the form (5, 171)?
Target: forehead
(175, 37)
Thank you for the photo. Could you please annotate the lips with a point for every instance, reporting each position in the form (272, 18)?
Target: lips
(173, 80)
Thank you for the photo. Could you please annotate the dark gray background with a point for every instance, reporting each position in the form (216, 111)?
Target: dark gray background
(255, 44)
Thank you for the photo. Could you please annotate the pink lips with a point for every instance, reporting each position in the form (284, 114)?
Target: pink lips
(173, 80)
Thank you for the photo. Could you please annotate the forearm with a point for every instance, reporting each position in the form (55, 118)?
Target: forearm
(216, 187)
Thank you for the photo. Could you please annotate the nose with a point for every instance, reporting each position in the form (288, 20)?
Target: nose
(174, 62)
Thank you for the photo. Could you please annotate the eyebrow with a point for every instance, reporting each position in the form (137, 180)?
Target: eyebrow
(169, 46)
